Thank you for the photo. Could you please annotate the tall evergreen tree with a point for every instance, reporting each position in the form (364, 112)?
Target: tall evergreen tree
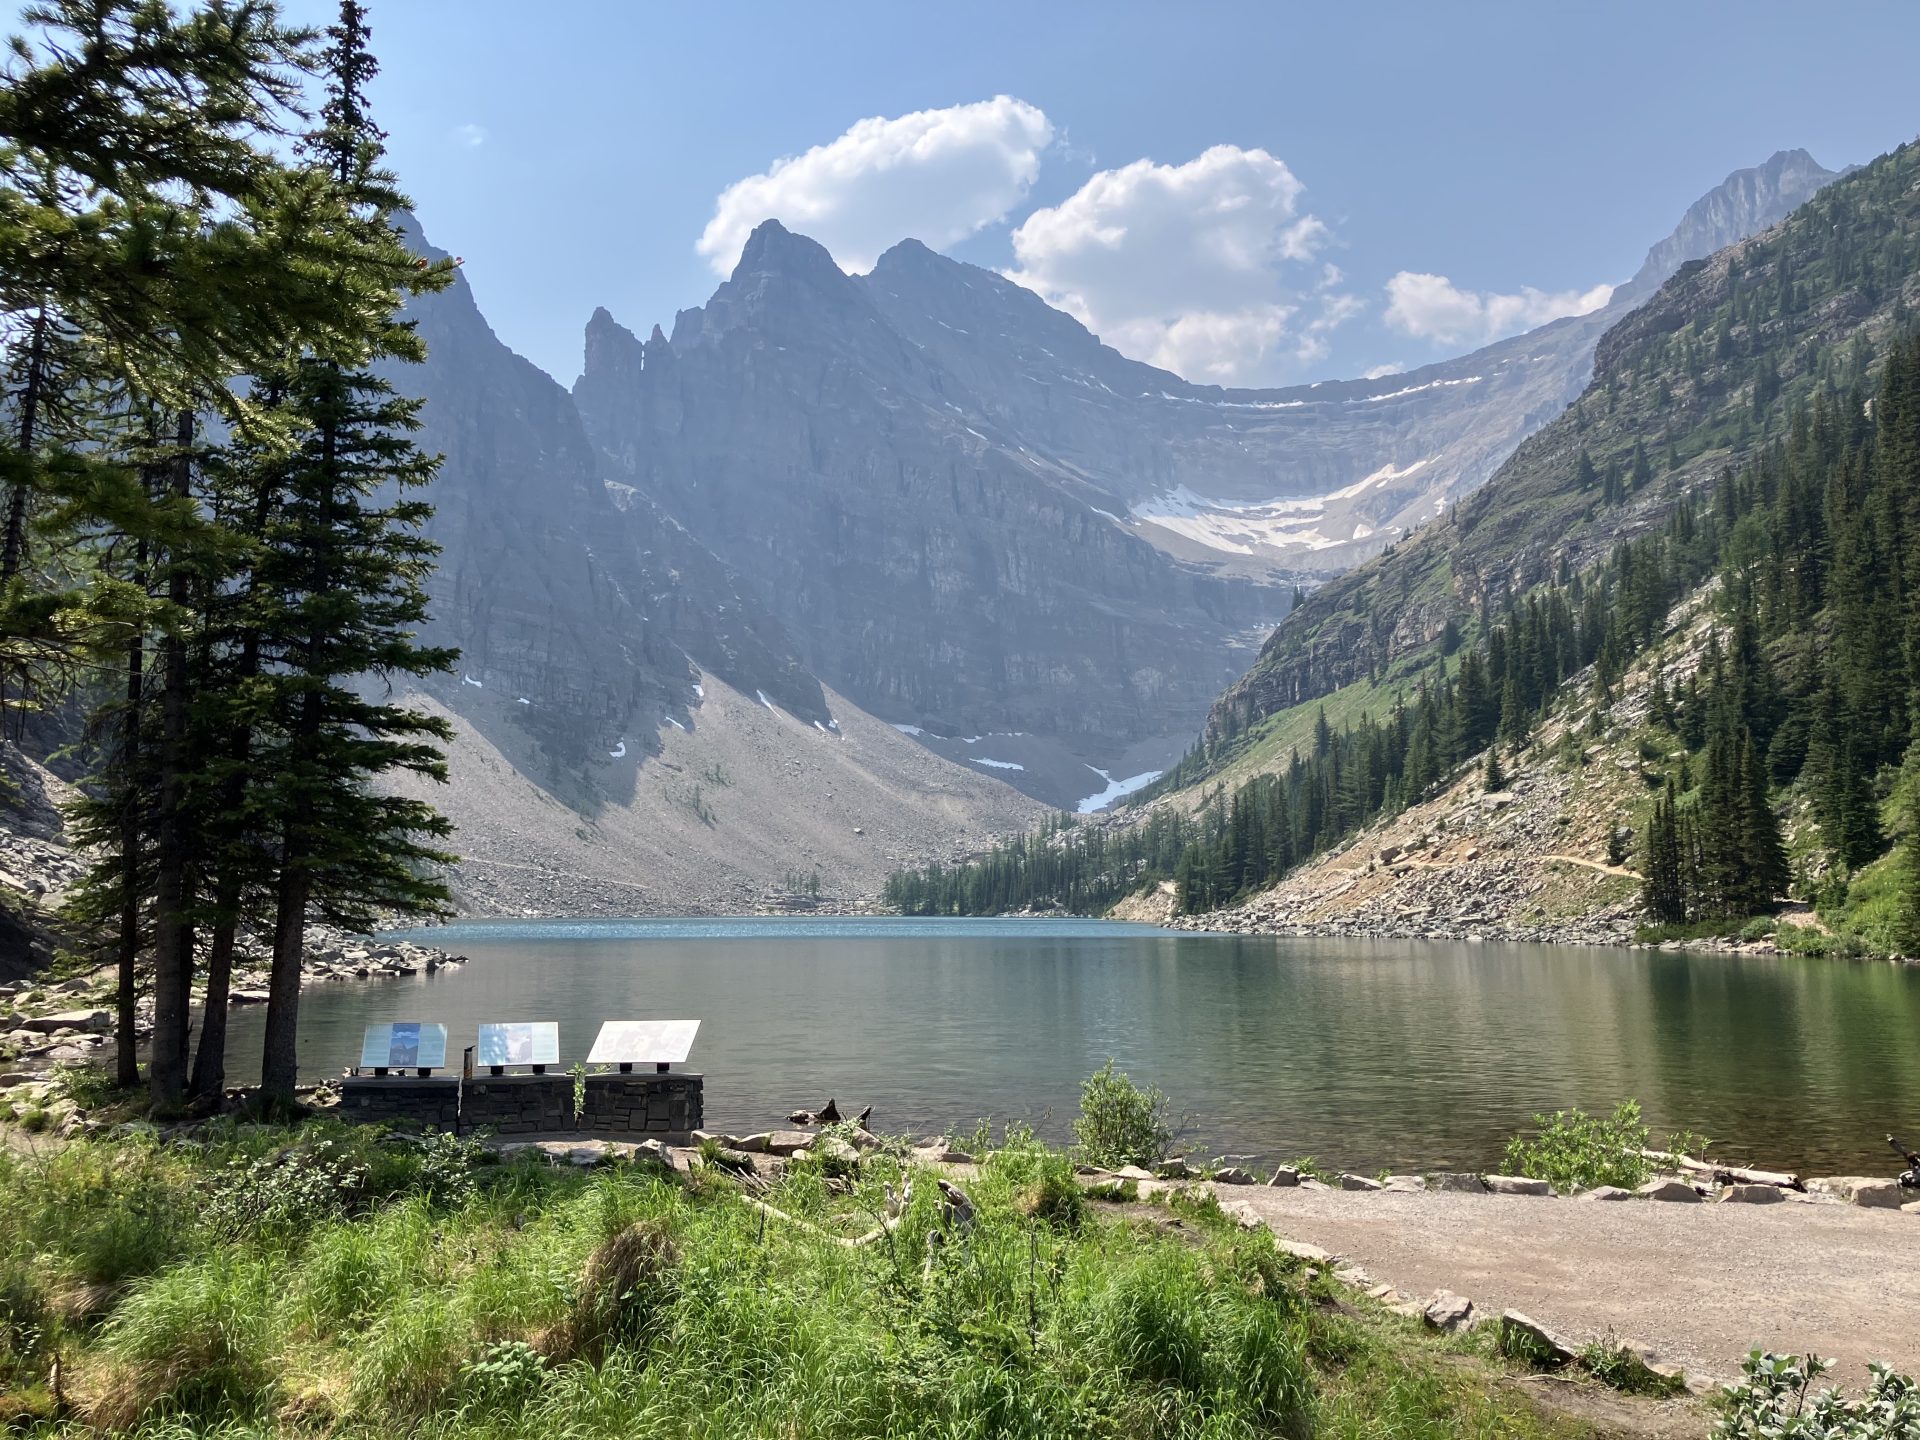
(340, 582)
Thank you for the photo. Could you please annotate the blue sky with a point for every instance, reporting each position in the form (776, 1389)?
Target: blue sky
(1229, 189)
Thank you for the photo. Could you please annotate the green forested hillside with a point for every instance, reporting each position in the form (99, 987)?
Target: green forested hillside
(1701, 377)
(1759, 434)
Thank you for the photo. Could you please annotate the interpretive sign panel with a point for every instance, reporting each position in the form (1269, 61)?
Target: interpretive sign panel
(405, 1045)
(521, 1042)
(643, 1042)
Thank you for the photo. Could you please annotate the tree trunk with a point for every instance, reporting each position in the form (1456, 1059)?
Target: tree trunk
(172, 927)
(280, 1060)
(14, 553)
(210, 1057)
(127, 1064)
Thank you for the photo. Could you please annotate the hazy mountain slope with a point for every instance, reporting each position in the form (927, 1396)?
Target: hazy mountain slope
(587, 618)
(942, 576)
(733, 814)
(1696, 376)
(1314, 476)
(586, 604)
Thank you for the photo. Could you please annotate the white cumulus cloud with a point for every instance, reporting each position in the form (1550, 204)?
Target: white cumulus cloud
(1207, 269)
(935, 175)
(470, 135)
(1432, 307)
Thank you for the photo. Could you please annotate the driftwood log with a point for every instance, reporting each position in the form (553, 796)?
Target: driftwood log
(896, 1212)
(1726, 1174)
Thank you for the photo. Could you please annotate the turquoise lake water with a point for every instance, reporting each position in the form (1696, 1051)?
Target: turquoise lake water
(1366, 1054)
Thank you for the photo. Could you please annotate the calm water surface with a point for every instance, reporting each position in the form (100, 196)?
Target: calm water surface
(1367, 1054)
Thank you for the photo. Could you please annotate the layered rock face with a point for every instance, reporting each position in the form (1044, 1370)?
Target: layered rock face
(576, 609)
(942, 574)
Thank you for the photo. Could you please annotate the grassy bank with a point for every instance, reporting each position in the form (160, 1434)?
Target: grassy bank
(256, 1281)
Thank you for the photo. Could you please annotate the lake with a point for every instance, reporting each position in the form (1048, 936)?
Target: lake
(1365, 1054)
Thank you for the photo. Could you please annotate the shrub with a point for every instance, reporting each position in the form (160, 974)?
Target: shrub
(1772, 1401)
(289, 1192)
(445, 1167)
(1119, 1122)
(504, 1376)
(1575, 1150)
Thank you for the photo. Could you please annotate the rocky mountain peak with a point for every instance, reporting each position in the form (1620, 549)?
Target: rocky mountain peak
(1745, 203)
(613, 351)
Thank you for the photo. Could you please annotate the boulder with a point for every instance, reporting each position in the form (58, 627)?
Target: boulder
(1133, 1172)
(1284, 1175)
(1174, 1169)
(785, 1142)
(1606, 1192)
(16, 1077)
(1300, 1250)
(652, 1152)
(1448, 1311)
(1359, 1182)
(1865, 1190)
(1516, 1185)
(1406, 1184)
(755, 1144)
(89, 1021)
(836, 1151)
(1457, 1183)
(1524, 1339)
(1669, 1189)
(1232, 1175)
(1753, 1194)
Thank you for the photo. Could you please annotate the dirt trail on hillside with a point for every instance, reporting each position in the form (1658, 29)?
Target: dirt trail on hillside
(1701, 1284)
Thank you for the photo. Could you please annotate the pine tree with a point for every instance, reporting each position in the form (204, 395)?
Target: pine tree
(1908, 916)
(340, 578)
(1494, 778)
(1664, 888)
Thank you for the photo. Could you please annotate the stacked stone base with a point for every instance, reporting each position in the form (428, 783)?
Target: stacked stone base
(406, 1100)
(637, 1104)
(518, 1104)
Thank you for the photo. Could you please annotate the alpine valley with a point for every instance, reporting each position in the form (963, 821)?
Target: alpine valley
(854, 573)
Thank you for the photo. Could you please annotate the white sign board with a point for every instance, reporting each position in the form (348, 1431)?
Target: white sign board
(405, 1045)
(522, 1042)
(643, 1042)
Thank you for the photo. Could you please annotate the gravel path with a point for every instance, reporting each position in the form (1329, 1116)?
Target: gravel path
(1702, 1284)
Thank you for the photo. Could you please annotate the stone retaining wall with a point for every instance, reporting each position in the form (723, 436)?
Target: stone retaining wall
(402, 1100)
(637, 1104)
(518, 1104)
(640, 1104)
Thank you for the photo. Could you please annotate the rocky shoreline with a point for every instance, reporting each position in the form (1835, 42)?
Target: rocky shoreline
(70, 1021)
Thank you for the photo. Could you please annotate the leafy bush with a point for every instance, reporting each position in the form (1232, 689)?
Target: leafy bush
(288, 1192)
(504, 1376)
(446, 1162)
(1120, 1123)
(87, 1086)
(1576, 1151)
(1772, 1401)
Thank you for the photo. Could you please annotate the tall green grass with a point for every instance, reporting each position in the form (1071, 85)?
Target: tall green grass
(526, 1301)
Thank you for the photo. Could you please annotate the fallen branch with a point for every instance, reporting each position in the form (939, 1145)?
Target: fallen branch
(854, 1243)
(1726, 1174)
